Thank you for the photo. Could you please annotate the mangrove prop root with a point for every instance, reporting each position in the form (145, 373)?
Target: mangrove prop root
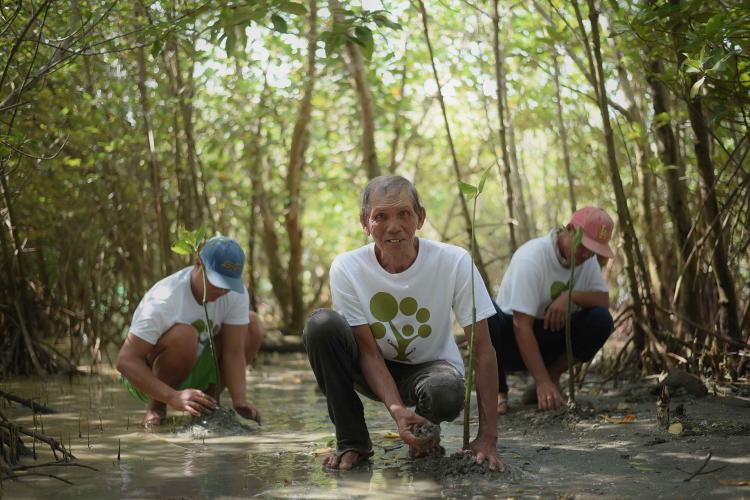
(36, 407)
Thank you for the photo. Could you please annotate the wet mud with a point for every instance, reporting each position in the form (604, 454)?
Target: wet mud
(608, 445)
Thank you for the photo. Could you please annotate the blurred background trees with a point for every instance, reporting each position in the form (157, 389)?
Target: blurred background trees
(120, 121)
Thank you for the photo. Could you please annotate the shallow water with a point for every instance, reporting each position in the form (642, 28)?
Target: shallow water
(548, 455)
(278, 459)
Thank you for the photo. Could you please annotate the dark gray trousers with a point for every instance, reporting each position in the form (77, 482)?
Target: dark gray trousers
(435, 388)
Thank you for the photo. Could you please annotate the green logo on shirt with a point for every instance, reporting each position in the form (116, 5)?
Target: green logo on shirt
(385, 308)
(200, 325)
(557, 288)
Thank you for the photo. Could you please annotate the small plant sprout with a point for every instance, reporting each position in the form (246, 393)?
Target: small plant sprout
(473, 193)
(188, 243)
(575, 241)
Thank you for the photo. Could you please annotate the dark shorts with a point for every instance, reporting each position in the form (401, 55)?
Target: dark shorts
(590, 329)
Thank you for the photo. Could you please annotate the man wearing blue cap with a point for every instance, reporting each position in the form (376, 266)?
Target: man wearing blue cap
(166, 359)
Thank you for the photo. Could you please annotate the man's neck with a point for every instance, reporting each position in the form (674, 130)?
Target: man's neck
(399, 263)
(562, 247)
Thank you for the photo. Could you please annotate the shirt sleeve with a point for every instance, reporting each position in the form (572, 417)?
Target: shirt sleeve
(239, 309)
(525, 288)
(345, 300)
(462, 303)
(150, 320)
(591, 279)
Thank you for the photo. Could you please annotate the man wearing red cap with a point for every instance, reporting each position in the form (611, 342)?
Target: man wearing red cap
(166, 359)
(528, 332)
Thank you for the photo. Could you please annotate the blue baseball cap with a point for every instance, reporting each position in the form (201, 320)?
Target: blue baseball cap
(223, 260)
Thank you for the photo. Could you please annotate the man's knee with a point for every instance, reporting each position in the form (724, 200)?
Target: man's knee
(254, 336)
(179, 344)
(597, 327)
(444, 397)
(322, 326)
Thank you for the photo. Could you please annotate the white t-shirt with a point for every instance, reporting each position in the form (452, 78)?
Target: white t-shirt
(409, 313)
(171, 301)
(535, 278)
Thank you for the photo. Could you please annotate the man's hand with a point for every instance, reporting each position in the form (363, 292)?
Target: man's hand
(193, 401)
(248, 411)
(548, 396)
(554, 316)
(406, 420)
(486, 449)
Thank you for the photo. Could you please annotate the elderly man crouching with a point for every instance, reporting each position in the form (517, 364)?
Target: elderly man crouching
(390, 335)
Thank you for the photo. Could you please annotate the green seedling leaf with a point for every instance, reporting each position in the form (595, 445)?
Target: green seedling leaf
(467, 189)
(696, 87)
(279, 24)
(293, 8)
(363, 33)
(200, 233)
(156, 48)
(485, 174)
(578, 238)
(182, 247)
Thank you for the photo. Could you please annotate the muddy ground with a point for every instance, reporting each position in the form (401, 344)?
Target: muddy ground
(609, 447)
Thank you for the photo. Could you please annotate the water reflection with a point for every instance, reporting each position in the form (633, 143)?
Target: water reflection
(275, 460)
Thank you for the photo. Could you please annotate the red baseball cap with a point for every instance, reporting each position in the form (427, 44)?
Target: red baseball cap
(597, 229)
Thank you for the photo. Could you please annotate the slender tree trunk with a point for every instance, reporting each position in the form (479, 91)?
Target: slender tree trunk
(184, 198)
(500, 91)
(185, 99)
(300, 141)
(358, 71)
(563, 133)
(397, 125)
(729, 324)
(464, 206)
(632, 252)
(153, 163)
(688, 301)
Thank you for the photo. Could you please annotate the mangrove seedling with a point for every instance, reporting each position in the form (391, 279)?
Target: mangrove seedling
(575, 241)
(188, 243)
(473, 193)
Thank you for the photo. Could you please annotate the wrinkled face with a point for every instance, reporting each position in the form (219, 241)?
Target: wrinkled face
(582, 253)
(393, 222)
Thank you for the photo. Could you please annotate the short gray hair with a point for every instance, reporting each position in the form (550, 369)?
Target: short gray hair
(385, 184)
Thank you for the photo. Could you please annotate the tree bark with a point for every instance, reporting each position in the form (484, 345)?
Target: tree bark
(729, 324)
(300, 141)
(358, 72)
(153, 162)
(634, 265)
(500, 91)
(687, 298)
(464, 206)
(563, 133)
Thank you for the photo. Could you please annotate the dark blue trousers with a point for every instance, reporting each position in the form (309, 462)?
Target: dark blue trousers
(590, 328)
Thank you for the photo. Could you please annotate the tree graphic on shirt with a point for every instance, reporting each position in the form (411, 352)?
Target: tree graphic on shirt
(385, 308)
(200, 325)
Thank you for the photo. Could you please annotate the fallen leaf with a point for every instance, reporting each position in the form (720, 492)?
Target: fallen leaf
(392, 435)
(735, 482)
(675, 428)
(627, 419)
(322, 451)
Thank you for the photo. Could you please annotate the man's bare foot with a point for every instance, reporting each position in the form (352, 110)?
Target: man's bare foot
(502, 403)
(345, 460)
(154, 416)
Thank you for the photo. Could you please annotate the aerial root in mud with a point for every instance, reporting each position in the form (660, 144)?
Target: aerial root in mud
(12, 449)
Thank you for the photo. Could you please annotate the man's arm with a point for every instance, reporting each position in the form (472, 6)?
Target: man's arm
(233, 369)
(485, 444)
(554, 317)
(548, 394)
(131, 362)
(382, 384)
